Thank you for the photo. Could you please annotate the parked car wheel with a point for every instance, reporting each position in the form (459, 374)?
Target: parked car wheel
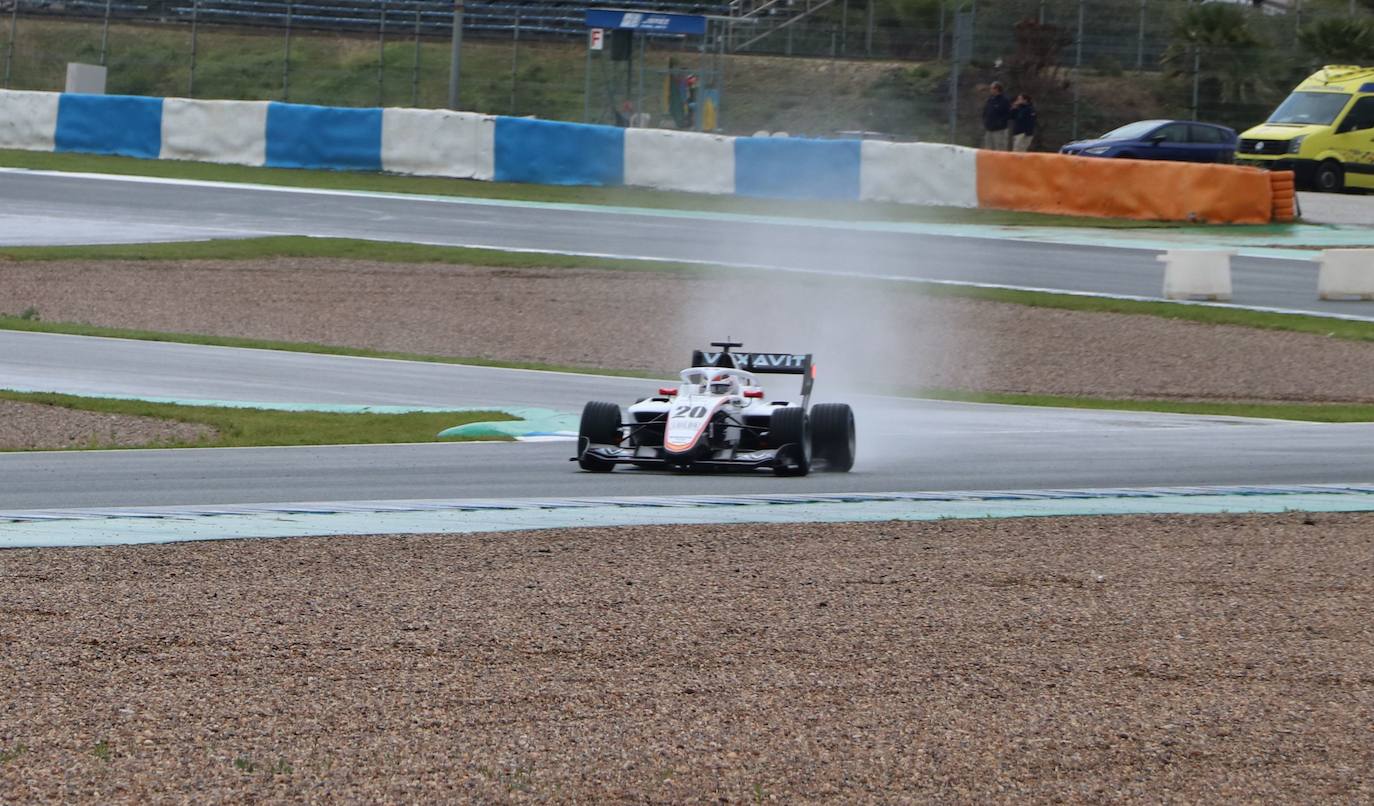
(1329, 177)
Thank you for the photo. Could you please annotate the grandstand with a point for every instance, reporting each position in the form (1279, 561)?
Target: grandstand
(426, 17)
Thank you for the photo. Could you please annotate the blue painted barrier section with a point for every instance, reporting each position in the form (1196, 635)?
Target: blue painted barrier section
(301, 136)
(797, 168)
(124, 125)
(549, 152)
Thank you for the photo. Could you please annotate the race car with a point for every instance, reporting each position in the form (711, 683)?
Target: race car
(717, 418)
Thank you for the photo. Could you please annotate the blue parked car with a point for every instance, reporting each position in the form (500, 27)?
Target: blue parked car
(1179, 140)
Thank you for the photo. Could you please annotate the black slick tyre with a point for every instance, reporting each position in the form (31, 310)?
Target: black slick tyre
(832, 436)
(600, 425)
(1329, 177)
(789, 429)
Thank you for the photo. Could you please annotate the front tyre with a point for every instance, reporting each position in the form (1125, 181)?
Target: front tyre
(789, 430)
(1329, 177)
(600, 425)
(832, 436)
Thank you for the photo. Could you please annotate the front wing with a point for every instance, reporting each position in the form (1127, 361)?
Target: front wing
(653, 456)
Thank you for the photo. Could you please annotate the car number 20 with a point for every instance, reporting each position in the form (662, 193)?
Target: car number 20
(690, 411)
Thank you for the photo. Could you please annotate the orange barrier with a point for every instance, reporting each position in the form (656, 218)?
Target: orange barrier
(1284, 190)
(1120, 188)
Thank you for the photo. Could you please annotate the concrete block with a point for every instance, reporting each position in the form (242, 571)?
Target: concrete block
(1197, 274)
(88, 79)
(1346, 273)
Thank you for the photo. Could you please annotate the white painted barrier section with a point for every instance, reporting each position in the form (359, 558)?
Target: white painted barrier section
(230, 132)
(1197, 274)
(28, 120)
(918, 173)
(439, 142)
(674, 160)
(1346, 273)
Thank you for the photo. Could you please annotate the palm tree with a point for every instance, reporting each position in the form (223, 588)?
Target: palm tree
(1339, 41)
(1229, 54)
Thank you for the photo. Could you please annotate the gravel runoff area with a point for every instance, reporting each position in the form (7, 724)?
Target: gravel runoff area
(1146, 659)
(28, 427)
(882, 335)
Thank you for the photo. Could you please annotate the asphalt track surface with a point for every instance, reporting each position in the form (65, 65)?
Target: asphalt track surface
(905, 444)
(43, 208)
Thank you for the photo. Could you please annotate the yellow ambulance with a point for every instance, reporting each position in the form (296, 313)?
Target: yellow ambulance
(1323, 131)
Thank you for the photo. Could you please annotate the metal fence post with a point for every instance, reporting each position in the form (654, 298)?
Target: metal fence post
(1140, 40)
(415, 66)
(286, 57)
(868, 31)
(455, 54)
(195, 15)
(381, 55)
(514, 62)
(844, 27)
(1197, 77)
(1077, 68)
(9, 53)
(104, 32)
(940, 36)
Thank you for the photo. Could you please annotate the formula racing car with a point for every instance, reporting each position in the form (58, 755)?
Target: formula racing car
(717, 418)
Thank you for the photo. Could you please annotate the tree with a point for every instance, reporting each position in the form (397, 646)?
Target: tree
(1229, 54)
(1339, 41)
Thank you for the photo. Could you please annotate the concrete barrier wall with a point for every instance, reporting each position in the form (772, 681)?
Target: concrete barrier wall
(471, 146)
(552, 152)
(919, 173)
(1147, 190)
(232, 132)
(797, 168)
(28, 120)
(301, 136)
(439, 142)
(672, 160)
(122, 125)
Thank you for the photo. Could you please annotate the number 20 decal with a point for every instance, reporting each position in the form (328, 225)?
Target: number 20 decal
(689, 411)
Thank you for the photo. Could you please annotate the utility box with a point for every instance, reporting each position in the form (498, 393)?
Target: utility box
(86, 78)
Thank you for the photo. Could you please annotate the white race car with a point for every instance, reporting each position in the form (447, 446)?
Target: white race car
(717, 418)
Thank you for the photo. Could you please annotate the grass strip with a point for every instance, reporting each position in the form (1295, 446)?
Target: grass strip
(1308, 412)
(238, 427)
(609, 196)
(300, 246)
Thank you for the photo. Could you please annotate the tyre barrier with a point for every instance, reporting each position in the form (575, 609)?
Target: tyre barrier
(436, 142)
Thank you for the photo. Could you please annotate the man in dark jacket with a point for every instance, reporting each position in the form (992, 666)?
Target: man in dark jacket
(1022, 123)
(996, 113)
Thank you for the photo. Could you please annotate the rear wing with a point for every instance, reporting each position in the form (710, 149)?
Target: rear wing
(771, 363)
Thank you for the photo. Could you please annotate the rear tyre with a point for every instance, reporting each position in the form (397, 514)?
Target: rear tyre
(1329, 177)
(600, 426)
(832, 436)
(790, 430)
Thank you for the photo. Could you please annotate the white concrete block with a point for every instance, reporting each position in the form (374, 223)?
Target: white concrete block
(28, 120)
(229, 132)
(1346, 273)
(918, 173)
(672, 160)
(86, 78)
(439, 142)
(1197, 274)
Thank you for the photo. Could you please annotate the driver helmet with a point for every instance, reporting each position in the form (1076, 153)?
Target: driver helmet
(722, 384)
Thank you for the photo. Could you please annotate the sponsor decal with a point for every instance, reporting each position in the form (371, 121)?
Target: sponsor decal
(763, 362)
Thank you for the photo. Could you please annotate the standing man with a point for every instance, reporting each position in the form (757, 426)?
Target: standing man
(996, 113)
(1022, 123)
